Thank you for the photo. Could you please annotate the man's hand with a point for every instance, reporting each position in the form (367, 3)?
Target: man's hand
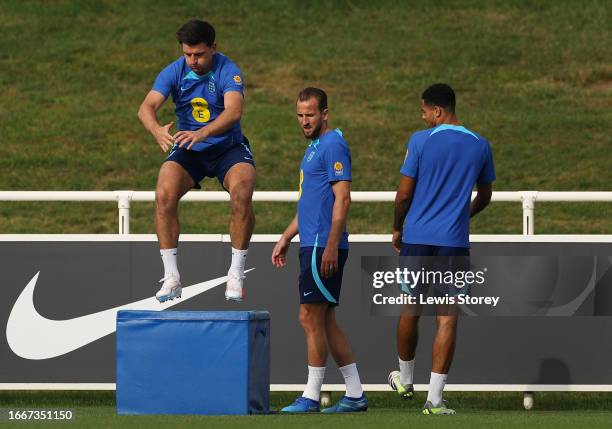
(396, 240)
(279, 253)
(163, 137)
(189, 138)
(329, 261)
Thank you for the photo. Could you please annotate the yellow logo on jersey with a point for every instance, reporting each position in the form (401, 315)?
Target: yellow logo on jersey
(238, 79)
(301, 181)
(339, 168)
(200, 110)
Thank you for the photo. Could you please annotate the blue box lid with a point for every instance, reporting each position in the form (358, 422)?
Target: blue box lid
(191, 315)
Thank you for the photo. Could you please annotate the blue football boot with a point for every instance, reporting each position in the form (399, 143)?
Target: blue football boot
(348, 405)
(302, 405)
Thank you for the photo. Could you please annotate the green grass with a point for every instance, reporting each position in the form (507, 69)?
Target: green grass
(535, 78)
(475, 410)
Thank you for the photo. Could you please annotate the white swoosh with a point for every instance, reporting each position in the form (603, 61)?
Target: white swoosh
(32, 336)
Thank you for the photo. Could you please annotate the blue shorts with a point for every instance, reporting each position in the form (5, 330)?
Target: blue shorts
(438, 259)
(211, 163)
(313, 287)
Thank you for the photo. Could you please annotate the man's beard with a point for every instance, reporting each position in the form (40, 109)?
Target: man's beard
(314, 132)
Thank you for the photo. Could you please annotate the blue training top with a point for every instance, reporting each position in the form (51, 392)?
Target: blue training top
(446, 162)
(199, 100)
(327, 160)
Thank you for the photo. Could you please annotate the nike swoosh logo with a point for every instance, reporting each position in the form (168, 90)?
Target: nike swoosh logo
(306, 294)
(32, 336)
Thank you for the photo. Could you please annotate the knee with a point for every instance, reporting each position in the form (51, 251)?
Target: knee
(165, 200)
(241, 196)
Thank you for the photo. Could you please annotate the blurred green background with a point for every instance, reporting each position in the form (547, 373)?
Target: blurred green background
(535, 78)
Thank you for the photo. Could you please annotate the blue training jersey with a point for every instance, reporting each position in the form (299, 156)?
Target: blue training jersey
(199, 100)
(327, 160)
(446, 162)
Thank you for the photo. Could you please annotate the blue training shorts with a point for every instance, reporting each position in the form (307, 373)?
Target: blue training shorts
(417, 257)
(211, 163)
(313, 287)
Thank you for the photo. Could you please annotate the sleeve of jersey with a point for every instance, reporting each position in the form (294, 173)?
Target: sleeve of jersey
(487, 173)
(337, 160)
(232, 80)
(166, 80)
(410, 167)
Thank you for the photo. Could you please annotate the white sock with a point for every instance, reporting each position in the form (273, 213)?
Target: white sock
(169, 259)
(315, 381)
(238, 261)
(352, 381)
(436, 387)
(406, 371)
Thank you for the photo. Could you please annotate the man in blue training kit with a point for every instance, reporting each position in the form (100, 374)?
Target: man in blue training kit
(324, 199)
(208, 93)
(432, 218)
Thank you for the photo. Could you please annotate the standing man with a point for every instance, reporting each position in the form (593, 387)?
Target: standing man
(324, 199)
(208, 93)
(442, 165)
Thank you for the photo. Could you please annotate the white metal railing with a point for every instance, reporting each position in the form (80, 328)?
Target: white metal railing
(124, 199)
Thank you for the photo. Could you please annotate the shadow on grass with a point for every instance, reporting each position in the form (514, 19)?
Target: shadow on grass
(490, 401)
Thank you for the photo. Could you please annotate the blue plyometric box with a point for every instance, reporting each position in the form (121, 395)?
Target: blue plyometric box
(193, 362)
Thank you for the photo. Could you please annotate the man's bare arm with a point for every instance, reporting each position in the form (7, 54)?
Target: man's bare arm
(147, 113)
(482, 199)
(342, 201)
(279, 253)
(403, 199)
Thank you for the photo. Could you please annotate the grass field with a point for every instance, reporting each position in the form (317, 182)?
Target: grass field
(475, 410)
(533, 77)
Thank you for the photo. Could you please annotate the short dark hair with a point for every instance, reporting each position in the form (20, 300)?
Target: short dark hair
(196, 31)
(441, 95)
(311, 92)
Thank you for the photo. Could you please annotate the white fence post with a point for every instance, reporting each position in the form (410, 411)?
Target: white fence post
(529, 199)
(123, 203)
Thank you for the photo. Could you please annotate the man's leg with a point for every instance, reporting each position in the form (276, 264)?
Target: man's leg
(340, 349)
(339, 345)
(407, 339)
(172, 183)
(312, 319)
(443, 351)
(240, 182)
(444, 343)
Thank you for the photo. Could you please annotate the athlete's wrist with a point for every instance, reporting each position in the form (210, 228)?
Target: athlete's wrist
(332, 245)
(202, 133)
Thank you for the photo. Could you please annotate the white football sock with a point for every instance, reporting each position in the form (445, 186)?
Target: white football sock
(238, 262)
(352, 381)
(406, 371)
(316, 374)
(169, 259)
(436, 387)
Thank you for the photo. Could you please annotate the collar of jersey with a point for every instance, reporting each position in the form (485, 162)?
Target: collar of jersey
(315, 142)
(194, 76)
(459, 128)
